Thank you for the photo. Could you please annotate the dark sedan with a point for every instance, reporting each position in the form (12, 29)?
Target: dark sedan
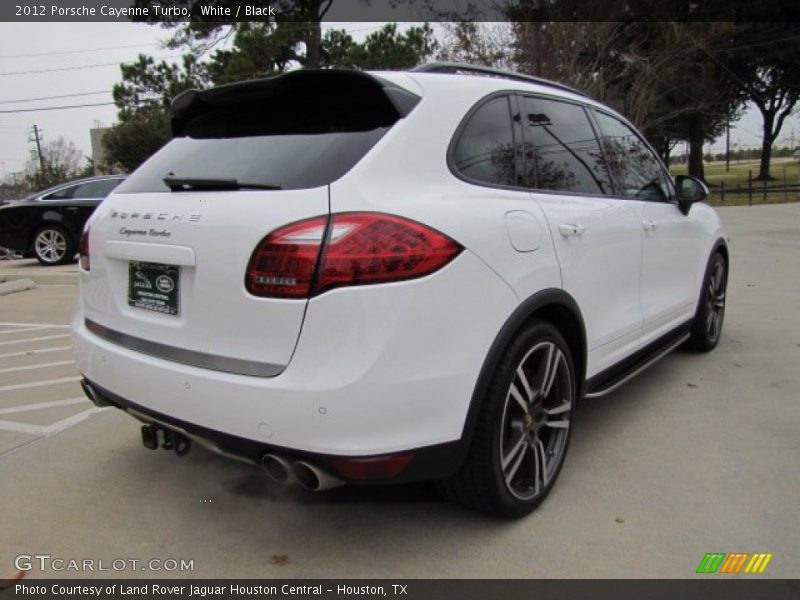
(48, 224)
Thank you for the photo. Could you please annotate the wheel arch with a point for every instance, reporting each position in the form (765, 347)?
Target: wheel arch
(553, 305)
(721, 246)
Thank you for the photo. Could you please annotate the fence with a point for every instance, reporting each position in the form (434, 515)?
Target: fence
(756, 192)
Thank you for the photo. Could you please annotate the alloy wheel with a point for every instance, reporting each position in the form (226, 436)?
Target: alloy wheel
(50, 245)
(715, 301)
(536, 421)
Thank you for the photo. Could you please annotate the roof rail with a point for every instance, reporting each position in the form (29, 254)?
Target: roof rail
(463, 68)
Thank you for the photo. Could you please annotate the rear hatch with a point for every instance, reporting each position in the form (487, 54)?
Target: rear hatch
(169, 249)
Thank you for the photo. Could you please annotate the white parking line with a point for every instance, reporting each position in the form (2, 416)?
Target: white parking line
(47, 430)
(33, 325)
(20, 427)
(31, 352)
(40, 366)
(40, 405)
(25, 386)
(37, 339)
(21, 330)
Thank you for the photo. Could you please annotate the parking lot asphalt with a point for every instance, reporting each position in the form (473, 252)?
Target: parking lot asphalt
(700, 453)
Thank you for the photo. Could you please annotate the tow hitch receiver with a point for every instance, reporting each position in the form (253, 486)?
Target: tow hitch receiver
(169, 440)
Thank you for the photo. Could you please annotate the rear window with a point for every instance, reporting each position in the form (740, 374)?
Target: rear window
(294, 136)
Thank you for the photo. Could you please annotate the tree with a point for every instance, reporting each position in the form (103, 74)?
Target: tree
(147, 84)
(476, 43)
(384, 49)
(62, 162)
(763, 60)
(257, 49)
(135, 139)
(658, 74)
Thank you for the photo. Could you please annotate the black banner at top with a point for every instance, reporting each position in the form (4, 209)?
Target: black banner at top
(225, 11)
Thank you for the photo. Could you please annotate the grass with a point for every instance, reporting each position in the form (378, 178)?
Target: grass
(785, 170)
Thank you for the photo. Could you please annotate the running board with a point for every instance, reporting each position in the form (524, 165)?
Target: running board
(609, 380)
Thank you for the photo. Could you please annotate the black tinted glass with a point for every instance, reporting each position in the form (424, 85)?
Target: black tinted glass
(96, 189)
(632, 165)
(485, 150)
(565, 151)
(66, 193)
(290, 161)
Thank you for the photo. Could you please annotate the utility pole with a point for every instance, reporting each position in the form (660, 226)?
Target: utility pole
(36, 136)
(728, 146)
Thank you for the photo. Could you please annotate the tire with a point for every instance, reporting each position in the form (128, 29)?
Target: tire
(707, 324)
(53, 245)
(522, 434)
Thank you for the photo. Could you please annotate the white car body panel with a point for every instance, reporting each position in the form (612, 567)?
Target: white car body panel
(368, 366)
(383, 368)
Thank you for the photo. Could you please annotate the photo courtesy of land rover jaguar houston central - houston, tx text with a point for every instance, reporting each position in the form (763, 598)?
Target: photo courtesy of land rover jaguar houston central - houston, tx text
(370, 278)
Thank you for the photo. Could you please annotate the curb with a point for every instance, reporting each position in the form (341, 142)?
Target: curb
(16, 285)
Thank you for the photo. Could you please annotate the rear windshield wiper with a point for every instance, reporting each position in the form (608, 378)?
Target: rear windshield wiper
(187, 184)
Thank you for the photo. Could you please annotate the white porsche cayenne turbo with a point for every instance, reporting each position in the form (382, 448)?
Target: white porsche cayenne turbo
(350, 277)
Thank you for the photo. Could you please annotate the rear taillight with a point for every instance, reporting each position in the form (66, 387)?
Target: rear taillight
(83, 249)
(358, 249)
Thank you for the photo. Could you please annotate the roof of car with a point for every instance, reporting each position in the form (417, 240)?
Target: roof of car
(452, 68)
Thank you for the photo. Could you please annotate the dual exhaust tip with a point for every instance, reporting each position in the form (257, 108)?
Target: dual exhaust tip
(309, 476)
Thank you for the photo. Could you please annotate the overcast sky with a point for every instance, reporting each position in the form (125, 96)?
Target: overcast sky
(98, 48)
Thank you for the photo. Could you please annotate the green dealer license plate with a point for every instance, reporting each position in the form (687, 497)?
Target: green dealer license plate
(154, 286)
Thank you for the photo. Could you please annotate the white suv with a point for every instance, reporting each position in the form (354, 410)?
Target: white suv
(386, 277)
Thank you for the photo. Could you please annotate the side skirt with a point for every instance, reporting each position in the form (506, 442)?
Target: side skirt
(614, 377)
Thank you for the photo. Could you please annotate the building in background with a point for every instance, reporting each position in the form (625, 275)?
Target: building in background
(98, 148)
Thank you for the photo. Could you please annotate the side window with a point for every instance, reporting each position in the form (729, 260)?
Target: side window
(633, 165)
(565, 153)
(66, 193)
(485, 150)
(96, 189)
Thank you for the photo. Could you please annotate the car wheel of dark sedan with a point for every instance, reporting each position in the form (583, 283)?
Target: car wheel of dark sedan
(53, 245)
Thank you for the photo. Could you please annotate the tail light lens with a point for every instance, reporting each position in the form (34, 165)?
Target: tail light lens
(380, 467)
(283, 264)
(312, 256)
(83, 249)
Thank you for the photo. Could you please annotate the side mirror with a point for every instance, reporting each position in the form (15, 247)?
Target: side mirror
(689, 191)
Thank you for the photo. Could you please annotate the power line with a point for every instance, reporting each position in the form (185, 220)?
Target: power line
(54, 97)
(24, 110)
(76, 51)
(114, 64)
(60, 69)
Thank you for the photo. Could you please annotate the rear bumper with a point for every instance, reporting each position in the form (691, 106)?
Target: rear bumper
(378, 370)
(432, 462)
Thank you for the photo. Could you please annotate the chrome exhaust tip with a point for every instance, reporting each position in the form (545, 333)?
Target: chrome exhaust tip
(92, 394)
(277, 468)
(313, 478)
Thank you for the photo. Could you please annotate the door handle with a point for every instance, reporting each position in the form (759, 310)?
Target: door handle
(571, 230)
(649, 225)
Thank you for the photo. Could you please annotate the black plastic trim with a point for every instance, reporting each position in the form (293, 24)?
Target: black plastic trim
(183, 356)
(612, 376)
(190, 103)
(526, 310)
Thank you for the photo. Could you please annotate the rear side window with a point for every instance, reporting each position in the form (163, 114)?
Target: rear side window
(66, 193)
(298, 136)
(566, 153)
(96, 189)
(633, 165)
(485, 150)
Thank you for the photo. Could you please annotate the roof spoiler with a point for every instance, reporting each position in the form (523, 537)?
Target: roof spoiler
(191, 103)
